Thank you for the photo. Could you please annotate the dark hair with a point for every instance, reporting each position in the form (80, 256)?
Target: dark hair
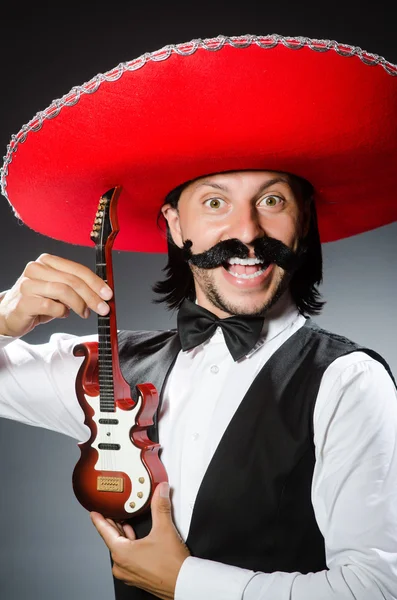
(179, 283)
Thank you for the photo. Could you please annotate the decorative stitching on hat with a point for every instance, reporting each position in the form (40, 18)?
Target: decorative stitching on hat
(183, 49)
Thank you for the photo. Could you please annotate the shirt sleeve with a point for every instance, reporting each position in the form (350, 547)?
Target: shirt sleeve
(354, 495)
(37, 384)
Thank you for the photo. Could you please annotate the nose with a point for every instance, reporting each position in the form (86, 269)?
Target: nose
(244, 224)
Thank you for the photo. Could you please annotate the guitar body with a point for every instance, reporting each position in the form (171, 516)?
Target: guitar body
(119, 466)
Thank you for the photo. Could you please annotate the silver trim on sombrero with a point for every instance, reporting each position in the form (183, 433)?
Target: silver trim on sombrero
(184, 49)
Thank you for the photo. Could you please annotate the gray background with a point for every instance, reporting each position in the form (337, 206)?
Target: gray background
(49, 549)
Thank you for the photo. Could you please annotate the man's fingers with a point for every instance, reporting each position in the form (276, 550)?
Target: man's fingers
(119, 527)
(161, 506)
(108, 531)
(129, 532)
(125, 529)
(42, 319)
(67, 283)
(48, 288)
(32, 310)
(78, 270)
(53, 290)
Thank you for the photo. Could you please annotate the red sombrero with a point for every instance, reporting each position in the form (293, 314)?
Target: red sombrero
(318, 109)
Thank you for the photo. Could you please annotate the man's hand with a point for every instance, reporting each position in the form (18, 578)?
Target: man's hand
(151, 563)
(49, 288)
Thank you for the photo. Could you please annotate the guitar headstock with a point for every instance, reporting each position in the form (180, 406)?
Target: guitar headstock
(105, 222)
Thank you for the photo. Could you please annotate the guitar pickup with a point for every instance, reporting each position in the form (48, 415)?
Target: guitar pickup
(109, 446)
(110, 484)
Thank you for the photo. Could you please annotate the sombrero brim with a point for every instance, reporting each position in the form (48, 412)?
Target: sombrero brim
(320, 110)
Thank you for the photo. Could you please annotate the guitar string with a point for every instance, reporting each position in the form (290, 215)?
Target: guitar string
(106, 386)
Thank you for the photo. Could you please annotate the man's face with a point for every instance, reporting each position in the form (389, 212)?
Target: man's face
(245, 205)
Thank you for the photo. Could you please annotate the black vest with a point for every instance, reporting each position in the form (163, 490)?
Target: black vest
(253, 508)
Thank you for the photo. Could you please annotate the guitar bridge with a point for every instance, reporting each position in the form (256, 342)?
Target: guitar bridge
(110, 484)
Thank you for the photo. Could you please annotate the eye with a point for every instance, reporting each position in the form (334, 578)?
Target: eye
(214, 202)
(271, 200)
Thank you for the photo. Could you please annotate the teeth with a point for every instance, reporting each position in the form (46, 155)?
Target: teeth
(244, 261)
(245, 276)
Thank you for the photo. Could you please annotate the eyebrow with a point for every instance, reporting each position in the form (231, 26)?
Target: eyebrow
(262, 188)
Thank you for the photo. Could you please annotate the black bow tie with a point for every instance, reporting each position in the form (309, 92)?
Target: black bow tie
(196, 324)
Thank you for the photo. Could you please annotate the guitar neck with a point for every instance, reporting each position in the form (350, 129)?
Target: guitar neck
(107, 340)
(108, 358)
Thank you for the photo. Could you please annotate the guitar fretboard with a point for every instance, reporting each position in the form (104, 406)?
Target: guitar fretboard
(105, 366)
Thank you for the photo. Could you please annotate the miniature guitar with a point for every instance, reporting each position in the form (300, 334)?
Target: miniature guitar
(119, 467)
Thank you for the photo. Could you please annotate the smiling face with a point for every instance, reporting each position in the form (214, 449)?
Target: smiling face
(243, 205)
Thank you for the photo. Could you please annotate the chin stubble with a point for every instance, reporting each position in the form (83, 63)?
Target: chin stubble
(214, 296)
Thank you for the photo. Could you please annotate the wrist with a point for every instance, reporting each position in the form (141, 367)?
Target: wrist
(3, 325)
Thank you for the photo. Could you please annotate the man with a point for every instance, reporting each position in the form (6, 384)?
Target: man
(280, 452)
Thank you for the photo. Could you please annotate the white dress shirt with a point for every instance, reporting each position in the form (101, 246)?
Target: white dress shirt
(354, 488)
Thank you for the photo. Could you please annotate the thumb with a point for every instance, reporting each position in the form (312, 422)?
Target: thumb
(161, 505)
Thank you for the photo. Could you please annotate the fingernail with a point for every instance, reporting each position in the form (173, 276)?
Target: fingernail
(102, 308)
(106, 293)
(164, 490)
(86, 313)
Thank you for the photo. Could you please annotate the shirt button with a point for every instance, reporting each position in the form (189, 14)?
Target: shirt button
(214, 369)
(195, 437)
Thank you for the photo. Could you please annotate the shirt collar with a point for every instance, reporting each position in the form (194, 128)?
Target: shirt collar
(282, 315)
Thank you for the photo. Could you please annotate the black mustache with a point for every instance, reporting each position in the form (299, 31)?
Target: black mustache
(268, 250)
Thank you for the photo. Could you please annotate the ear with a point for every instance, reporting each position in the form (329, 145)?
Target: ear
(171, 215)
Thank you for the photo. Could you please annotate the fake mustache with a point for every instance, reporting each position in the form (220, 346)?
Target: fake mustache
(268, 250)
